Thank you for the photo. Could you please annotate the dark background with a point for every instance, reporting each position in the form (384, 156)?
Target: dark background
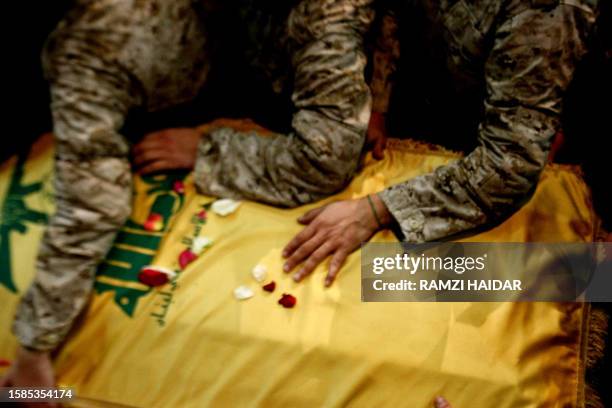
(25, 25)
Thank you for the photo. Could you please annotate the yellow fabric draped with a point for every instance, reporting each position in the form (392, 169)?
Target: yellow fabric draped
(189, 343)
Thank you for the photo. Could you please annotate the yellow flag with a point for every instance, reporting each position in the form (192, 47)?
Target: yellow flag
(190, 343)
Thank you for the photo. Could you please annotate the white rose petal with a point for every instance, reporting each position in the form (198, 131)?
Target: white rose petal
(259, 272)
(169, 272)
(225, 206)
(243, 292)
(199, 244)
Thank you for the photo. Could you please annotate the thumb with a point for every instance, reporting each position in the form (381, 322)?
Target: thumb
(310, 215)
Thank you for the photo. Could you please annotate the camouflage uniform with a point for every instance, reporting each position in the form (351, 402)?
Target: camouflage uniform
(109, 56)
(523, 53)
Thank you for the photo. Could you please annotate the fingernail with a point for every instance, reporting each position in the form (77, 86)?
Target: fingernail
(285, 253)
(286, 267)
(296, 277)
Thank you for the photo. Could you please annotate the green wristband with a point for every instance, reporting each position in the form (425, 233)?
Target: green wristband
(374, 211)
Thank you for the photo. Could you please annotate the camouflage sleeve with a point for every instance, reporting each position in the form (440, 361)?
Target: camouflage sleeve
(332, 102)
(386, 56)
(531, 62)
(92, 186)
(106, 57)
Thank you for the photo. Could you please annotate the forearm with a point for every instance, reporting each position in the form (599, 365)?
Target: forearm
(281, 170)
(93, 198)
(332, 101)
(521, 115)
(480, 189)
(92, 190)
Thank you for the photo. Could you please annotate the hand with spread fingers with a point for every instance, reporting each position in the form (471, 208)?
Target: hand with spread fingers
(335, 230)
(168, 149)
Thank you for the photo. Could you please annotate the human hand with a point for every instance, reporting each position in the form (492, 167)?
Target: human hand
(168, 149)
(335, 229)
(31, 369)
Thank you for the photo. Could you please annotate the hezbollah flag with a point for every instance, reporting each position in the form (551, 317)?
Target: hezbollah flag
(190, 343)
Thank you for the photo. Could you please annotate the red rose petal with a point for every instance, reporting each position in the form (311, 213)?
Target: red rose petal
(269, 287)
(155, 222)
(287, 301)
(202, 215)
(178, 187)
(186, 257)
(152, 277)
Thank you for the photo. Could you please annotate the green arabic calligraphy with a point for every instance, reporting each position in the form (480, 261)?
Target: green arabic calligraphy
(15, 216)
(123, 263)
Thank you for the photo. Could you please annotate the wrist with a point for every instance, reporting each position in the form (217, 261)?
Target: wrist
(379, 212)
(386, 218)
(26, 353)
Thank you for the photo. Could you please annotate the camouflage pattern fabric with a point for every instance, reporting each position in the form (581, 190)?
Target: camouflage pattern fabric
(110, 56)
(526, 53)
